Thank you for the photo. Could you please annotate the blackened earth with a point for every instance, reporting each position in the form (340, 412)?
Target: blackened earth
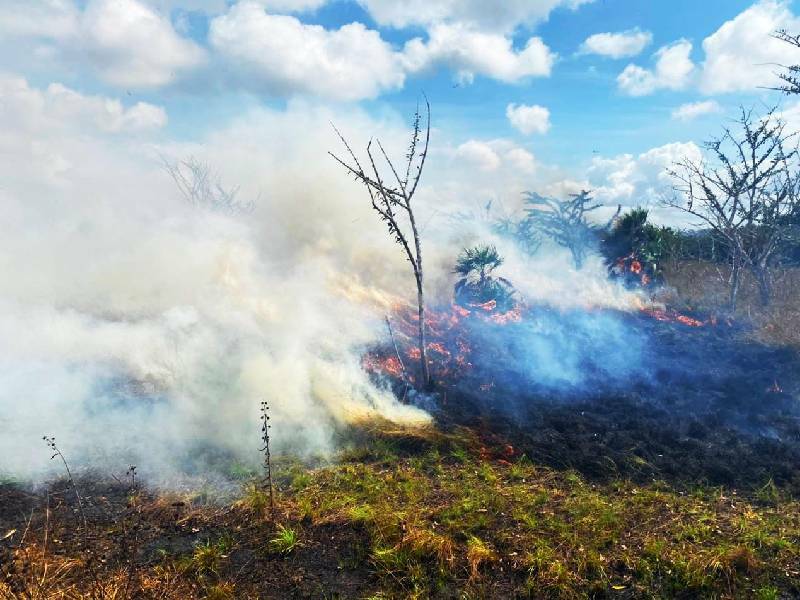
(708, 406)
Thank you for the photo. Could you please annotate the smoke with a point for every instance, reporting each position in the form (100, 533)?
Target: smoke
(137, 329)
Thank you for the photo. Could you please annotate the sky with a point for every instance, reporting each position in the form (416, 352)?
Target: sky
(550, 95)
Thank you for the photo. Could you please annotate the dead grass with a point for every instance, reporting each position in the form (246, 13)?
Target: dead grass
(702, 286)
(425, 514)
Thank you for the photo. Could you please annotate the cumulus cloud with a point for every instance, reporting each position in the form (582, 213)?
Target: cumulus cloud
(528, 119)
(742, 54)
(126, 42)
(285, 56)
(638, 180)
(673, 70)
(57, 19)
(617, 45)
(471, 52)
(132, 45)
(508, 163)
(521, 160)
(791, 115)
(478, 154)
(692, 110)
(495, 16)
(50, 132)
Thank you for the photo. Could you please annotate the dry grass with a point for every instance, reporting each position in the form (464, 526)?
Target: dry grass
(703, 286)
(429, 515)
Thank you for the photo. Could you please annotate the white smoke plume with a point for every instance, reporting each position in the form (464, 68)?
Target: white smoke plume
(136, 329)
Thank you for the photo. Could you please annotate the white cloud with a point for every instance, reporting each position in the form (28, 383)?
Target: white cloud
(50, 133)
(529, 119)
(638, 180)
(521, 160)
(59, 107)
(673, 70)
(501, 157)
(219, 6)
(692, 110)
(133, 46)
(126, 42)
(496, 16)
(791, 115)
(478, 154)
(285, 56)
(107, 114)
(617, 45)
(742, 54)
(291, 5)
(56, 19)
(470, 52)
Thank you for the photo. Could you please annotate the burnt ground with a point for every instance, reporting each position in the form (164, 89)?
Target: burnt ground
(708, 407)
(149, 549)
(702, 406)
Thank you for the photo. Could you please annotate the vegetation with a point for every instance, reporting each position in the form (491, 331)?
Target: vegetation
(477, 284)
(564, 222)
(416, 513)
(748, 195)
(203, 189)
(790, 77)
(394, 205)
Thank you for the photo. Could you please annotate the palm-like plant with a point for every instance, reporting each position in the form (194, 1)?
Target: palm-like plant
(477, 284)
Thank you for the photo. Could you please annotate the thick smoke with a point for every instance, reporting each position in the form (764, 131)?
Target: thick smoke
(137, 329)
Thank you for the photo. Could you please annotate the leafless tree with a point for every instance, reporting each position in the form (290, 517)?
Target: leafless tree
(564, 222)
(393, 201)
(791, 74)
(202, 188)
(746, 191)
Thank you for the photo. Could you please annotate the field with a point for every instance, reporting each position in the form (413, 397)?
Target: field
(683, 485)
(406, 513)
(703, 286)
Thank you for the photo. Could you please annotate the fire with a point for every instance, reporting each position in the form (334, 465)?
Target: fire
(487, 306)
(390, 365)
(671, 316)
(450, 331)
(512, 316)
(631, 271)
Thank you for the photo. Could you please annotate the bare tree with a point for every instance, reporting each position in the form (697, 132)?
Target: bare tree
(394, 204)
(202, 188)
(791, 75)
(747, 193)
(564, 221)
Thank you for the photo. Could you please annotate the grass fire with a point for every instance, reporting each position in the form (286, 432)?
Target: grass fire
(372, 300)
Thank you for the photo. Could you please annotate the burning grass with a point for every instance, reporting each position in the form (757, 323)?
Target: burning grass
(416, 512)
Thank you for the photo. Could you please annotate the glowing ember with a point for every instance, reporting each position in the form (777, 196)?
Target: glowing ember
(389, 365)
(670, 316)
(487, 306)
(631, 271)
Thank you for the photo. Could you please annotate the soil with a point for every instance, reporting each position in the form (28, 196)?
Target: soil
(715, 408)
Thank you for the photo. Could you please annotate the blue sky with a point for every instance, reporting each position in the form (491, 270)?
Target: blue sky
(590, 82)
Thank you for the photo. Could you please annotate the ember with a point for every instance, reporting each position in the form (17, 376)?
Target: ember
(667, 315)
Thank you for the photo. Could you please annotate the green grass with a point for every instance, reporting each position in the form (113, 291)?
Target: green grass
(417, 513)
(285, 540)
(446, 518)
